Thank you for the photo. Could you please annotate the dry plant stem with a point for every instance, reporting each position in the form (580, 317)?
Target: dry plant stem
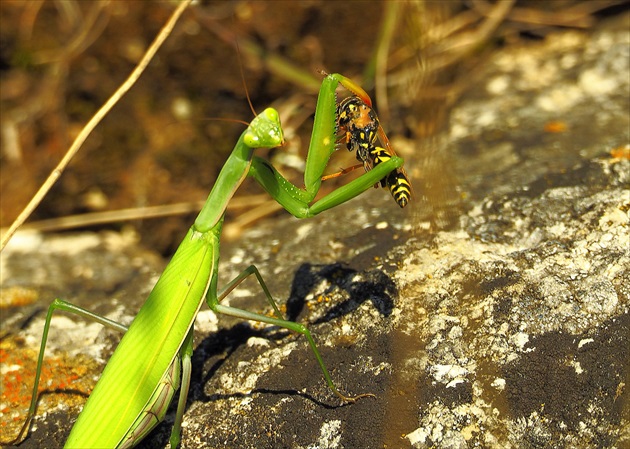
(27, 20)
(92, 26)
(454, 48)
(579, 15)
(273, 62)
(382, 52)
(136, 213)
(89, 127)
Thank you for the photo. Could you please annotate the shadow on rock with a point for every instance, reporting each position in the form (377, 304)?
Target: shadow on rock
(373, 285)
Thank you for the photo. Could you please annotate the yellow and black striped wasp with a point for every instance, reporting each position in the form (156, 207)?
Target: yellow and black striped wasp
(358, 121)
(397, 181)
(359, 126)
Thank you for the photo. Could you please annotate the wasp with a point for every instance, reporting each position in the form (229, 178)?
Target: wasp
(397, 181)
(359, 121)
(360, 126)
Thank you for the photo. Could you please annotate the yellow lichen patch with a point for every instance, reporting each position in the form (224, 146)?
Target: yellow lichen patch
(65, 381)
(17, 296)
(555, 127)
(622, 152)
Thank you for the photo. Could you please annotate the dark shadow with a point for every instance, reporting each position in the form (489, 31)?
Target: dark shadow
(40, 396)
(22, 323)
(284, 392)
(360, 286)
(223, 344)
(219, 346)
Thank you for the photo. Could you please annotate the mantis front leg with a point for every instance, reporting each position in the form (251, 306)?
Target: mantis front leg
(323, 143)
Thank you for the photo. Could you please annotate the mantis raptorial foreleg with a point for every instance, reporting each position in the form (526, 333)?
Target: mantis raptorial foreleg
(360, 127)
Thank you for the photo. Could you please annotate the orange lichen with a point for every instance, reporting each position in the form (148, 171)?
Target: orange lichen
(17, 296)
(622, 152)
(555, 127)
(64, 380)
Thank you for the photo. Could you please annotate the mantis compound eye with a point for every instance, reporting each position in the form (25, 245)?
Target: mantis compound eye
(251, 139)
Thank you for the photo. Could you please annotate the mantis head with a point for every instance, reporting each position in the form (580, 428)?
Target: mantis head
(264, 131)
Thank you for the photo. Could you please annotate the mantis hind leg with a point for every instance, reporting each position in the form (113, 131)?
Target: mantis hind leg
(59, 304)
(279, 321)
(186, 356)
(240, 278)
(162, 397)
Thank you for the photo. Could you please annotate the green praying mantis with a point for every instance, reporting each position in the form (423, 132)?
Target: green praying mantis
(153, 359)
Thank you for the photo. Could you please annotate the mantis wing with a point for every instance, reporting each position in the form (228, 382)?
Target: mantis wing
(150, 345)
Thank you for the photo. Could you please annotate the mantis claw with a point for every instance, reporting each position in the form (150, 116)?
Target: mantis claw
(353, 399)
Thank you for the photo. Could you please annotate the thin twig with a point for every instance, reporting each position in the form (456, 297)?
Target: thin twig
(135, 213)
(95, 120)
(272, 61)
(388, 28)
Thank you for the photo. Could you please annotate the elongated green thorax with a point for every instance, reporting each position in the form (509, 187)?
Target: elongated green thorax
(264, 131)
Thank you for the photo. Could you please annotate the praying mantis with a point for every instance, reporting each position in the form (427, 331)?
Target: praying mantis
(153, 358)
